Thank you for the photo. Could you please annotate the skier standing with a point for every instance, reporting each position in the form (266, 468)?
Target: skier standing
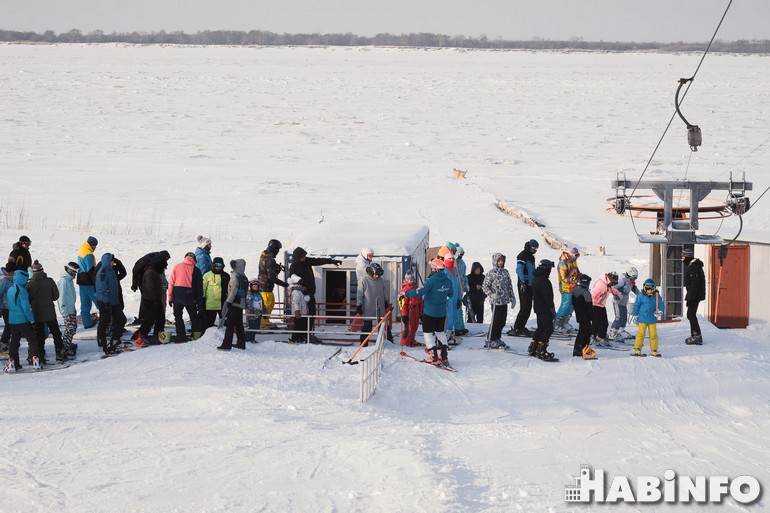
(525, 271)
(695, 285)
(648, 309)
(626, 284)
(499, 290)
(435, 293)
(542, 302)
(411, 311)
(601, 290)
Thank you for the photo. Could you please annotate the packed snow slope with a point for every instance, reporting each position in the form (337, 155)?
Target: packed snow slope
(147, 147)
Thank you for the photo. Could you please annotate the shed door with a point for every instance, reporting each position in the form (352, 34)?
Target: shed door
(730, 291)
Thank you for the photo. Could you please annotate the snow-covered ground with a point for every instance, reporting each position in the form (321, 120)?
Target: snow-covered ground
(147, 147)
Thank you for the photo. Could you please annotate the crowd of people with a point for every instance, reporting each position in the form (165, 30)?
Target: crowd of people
(199, 286)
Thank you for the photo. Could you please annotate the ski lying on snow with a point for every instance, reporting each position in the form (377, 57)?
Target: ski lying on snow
(447, 368)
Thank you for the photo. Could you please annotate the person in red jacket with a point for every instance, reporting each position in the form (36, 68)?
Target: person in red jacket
(411, 311)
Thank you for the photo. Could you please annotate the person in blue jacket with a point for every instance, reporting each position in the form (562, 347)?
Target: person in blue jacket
(435, 293)
(203, 255)
(108, 302)
(648, 309)
(525, 272)
(20, 319)
(85, 279)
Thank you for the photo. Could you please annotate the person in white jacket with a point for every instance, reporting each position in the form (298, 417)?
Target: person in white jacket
(363, 261)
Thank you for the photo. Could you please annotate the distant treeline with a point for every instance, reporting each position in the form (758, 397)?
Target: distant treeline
(260, 37)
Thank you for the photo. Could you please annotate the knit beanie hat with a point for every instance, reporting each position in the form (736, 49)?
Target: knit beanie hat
(203, 241)
(92, 241)
(36, 266)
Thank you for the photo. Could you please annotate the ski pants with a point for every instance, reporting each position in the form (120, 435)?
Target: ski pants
(599, 322)
(87, 298)
(525, 308)
(6, 337)
(195, 324)
(499, 316)
(409, 325)
(582, 338)
(451, 313)
(53, 327)
(459, 322)
(565, 308)
(24, 330)
(640, 334)
(544, 328)
(621, 316)
(268, 302)
(70, 328)
(692, 316)
(153, 317)
(234, 324)
(108, 315)
(477, 309)
(432, 329)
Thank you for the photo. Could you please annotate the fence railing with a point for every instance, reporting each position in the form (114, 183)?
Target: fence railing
(371, 367)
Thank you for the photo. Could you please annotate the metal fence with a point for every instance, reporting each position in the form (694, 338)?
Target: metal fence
(371, 367)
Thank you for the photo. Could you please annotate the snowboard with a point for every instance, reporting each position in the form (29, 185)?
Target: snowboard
(27, 369)
(530, 356)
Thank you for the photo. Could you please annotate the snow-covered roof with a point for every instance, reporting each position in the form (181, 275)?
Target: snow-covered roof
(350, 238)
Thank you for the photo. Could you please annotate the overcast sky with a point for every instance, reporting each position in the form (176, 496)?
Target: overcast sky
(593, 20)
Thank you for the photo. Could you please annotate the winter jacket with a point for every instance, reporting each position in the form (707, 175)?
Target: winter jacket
(569, 274)
(694, 282)
(6, 282)
(525, 265)
(203, 260)
(19, 309)
(151, 283)
(137, 273)
(497, 284)
(371, 296)
(304, 269)
(542, 292)
(601, 290)
(463, 270)
(298, 301)
(435, 292)
(454, 277)
(410, 305)
(582, 303)
(624, 287)
(238, 282)
(254, 302)
(185, 286)
(20, 257)
(645, 307)
(67, 294)
(215, 289)
(106, 282)
(43, 292)
(120, 273)
(268, 272)
(475, 281)
(361, 264)
(87, 262)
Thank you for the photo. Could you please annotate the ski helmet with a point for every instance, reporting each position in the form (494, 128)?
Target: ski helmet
(366, 252)
(649, 286)
(437, 264)
(274, 246)
(546, 263)
(377, 269)
(632, 273)
(613, 276)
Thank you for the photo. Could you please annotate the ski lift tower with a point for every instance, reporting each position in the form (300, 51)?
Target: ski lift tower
(677, 226)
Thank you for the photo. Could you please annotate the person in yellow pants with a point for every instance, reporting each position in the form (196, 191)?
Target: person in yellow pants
(268, 279)
(648, 309)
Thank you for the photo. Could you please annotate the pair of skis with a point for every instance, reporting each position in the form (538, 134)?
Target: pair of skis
(441, 366)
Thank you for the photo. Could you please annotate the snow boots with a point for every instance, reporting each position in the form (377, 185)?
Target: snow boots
(495, 344)
(695, 340)
(542, 351)
(532, 349)
(588, 353)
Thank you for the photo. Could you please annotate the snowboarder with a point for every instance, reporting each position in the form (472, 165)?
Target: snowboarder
(625, 286)
(215, 284)
(695, 285)
(542, 302)
(599, 293)
(153, 297)
(203, 255)
(106, 287)
(411, 311)
(525, 271)
(43, 292)
(583, 305)
(234, 306)
(85, 280)
(6, 282)
(20, 256)
(119, 318)
(21, 319)
(648, 309)
(475, 294)
(299, 306)
(371, 298)
(499, 290)
(67, 307)
(435, 293)
(268, 278)
(568, 278)
(185, 292)
(302, 266)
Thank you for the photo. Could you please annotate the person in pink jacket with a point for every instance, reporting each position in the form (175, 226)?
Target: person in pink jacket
(599, 294)
(185, 292)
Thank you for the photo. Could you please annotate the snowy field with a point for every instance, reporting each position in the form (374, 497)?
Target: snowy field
(147, 147)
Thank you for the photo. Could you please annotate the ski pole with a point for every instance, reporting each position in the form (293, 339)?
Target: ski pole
(489, 331)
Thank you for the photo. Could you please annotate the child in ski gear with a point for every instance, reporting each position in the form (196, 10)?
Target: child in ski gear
(235, 303)
(254, 306)
(6, 282)
(476, 295)
(21, 319)
(435, 293)
(569, 274)
(299, 305)
(185, 292)
(454, 307)
(268, 278)
(108, 302)
(499, 290)
(525, 271)
(583, 305)
(215, 284)
(648, 309)
(542, 301)
(626, 284)
(85, 279)
(203, 255)
(695, 285)
(302, 265)
(411, 311)
(602, 288)
(67, 309)
(371, 298)
(43, 293)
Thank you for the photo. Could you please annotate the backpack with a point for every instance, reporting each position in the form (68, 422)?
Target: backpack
(243, 288)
